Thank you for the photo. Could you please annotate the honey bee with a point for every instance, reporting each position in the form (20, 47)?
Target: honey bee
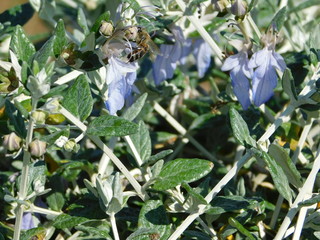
(131, 34)
(144, 44)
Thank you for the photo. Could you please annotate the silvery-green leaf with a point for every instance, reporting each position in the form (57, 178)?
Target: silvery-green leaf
(78, 99)
(82, 21)
(56, 201)
(288, 84)
(60, 40)
(240, 129)
(153, 216)
(156, 168)
(91, 188)
(132, 112)
(107, 125)
(66, 221)
(283, 159)
(181, 170)
(21, 45)
(278, 175)
(142, 141)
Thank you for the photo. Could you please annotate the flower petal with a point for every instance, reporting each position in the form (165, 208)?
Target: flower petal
(231, 62)
(263, 82)
(258, 58)
(278, 62)
(27, 221)
(117, 91)
(241, 87)
(163, 67)
(186, 50)
(202, 54)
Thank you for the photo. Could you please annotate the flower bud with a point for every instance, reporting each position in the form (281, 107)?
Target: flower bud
(39, 116)
(37, 148)
(52, 105)
(239, 8)
(39, 85)
(12, 142)
(106, 28)
(220, 5)
(61, 141)
(71, 146)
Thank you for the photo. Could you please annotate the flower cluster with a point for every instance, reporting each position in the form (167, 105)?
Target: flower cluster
(261, 68)
(167, 61)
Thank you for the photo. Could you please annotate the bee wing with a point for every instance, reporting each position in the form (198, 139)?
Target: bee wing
(153, 47)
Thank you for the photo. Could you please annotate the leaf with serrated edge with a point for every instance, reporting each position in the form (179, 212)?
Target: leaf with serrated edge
(45, 52)
(60, 40)
(182, 170)
(21, 45)
(78, 99)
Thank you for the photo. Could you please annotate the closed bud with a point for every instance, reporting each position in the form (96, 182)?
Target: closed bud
(220, 5)
(239, 8)
(106, 28)
(39, 85)
(39, 116)
(37, 148)
(52, 105)
(12, 142)
(71, 146)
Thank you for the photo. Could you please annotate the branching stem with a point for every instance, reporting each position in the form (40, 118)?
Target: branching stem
(24, 175)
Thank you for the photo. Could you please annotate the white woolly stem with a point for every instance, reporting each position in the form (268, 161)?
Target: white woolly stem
(104, 161)
(302, 140)
(22, 194)
(68, 77)
(134, 150)
(141, 192)
(253, 25)
(174, 123)
(45, 211)
(177, 233)
(301, 219)
(114, 227)
(303, 191)
(284, 116)
(211, 232)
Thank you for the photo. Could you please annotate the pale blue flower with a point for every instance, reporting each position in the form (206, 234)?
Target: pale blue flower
(264, 79)
(27, 221)
(202, 53)
(166, 62)
(120, 78)
(186, 50)
(239, 73)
